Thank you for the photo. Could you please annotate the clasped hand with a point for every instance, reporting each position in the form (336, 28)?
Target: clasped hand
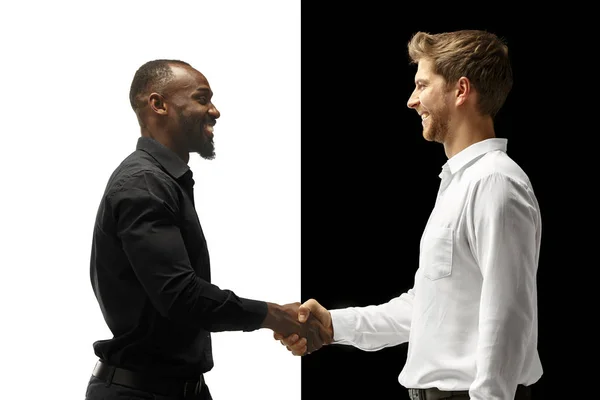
(315, 331)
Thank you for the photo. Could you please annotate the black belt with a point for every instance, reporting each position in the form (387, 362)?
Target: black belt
(148, 383)
(523, 393)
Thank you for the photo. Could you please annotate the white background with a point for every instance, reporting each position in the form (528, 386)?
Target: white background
(66, 123)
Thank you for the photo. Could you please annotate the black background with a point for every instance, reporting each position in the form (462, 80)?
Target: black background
(369, 178)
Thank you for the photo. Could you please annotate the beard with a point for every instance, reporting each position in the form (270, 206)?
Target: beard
(198, 141)
(437, 131)
(206, 147)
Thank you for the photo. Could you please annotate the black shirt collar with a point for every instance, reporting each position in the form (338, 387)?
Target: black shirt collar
(166, 157)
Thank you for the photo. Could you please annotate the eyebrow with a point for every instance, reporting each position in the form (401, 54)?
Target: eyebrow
(203, 89)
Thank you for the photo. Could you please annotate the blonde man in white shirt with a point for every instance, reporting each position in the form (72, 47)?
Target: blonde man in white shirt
(470, 318)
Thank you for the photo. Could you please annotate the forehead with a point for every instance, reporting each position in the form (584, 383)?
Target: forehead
(425, 71)
(187, 78)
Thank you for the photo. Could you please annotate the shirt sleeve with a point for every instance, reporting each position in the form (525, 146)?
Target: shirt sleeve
(145, 209)
(373, 328)
(506, 228)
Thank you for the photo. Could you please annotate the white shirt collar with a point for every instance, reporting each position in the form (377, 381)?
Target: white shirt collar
(465, 156)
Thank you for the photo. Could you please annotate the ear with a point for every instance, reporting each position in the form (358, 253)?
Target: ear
(157, 103)
(463, 89)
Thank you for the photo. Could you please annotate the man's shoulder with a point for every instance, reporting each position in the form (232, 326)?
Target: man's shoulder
(498, 165)
(137, 169)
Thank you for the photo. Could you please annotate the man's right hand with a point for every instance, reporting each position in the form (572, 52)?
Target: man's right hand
(291, 321)
(306, 313)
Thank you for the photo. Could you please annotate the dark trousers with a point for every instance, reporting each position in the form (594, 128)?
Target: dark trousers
(100, 390)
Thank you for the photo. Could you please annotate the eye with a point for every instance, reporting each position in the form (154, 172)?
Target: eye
(202, 100)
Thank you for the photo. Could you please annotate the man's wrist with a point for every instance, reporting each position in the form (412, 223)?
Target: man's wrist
(272, 316)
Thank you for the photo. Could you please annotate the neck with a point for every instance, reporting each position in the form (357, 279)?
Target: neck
(166, 140)
(467, 132)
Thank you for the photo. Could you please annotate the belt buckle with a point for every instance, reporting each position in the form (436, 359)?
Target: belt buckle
(415, 394)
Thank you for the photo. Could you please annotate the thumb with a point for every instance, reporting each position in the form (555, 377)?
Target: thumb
(303, 313)
(313, 306)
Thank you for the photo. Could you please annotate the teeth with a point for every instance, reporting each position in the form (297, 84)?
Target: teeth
(210, 128)
(424, 116)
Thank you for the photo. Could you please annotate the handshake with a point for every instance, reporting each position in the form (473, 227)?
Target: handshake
(302, 328)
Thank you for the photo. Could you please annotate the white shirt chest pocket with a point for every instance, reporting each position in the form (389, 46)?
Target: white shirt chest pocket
(436, 253)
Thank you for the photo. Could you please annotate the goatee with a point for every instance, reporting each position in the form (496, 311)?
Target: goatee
(207, 149)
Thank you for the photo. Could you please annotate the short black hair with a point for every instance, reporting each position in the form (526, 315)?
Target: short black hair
(153, 76)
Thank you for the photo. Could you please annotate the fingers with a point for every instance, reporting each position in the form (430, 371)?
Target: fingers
(325, 332)
(299, 349)
(295, 344)
(314, 330)
(290, 340)
(314, 336)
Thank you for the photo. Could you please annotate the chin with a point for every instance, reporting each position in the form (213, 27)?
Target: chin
(207, 154)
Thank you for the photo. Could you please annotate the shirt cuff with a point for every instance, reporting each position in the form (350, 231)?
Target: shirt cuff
(343, 322)
(255, 312)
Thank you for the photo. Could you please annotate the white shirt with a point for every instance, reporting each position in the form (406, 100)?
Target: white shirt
(470, 318)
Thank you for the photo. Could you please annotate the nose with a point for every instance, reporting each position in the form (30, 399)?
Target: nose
(413, 101)
(214, 112)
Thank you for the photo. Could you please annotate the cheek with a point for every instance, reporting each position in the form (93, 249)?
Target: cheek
(425, 100)
(432, 102)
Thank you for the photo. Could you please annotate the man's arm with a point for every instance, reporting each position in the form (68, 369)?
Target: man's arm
(505, 225)
(145, 210)
(369, 328)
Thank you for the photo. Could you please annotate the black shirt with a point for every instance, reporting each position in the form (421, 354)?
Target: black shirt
(150, 270)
